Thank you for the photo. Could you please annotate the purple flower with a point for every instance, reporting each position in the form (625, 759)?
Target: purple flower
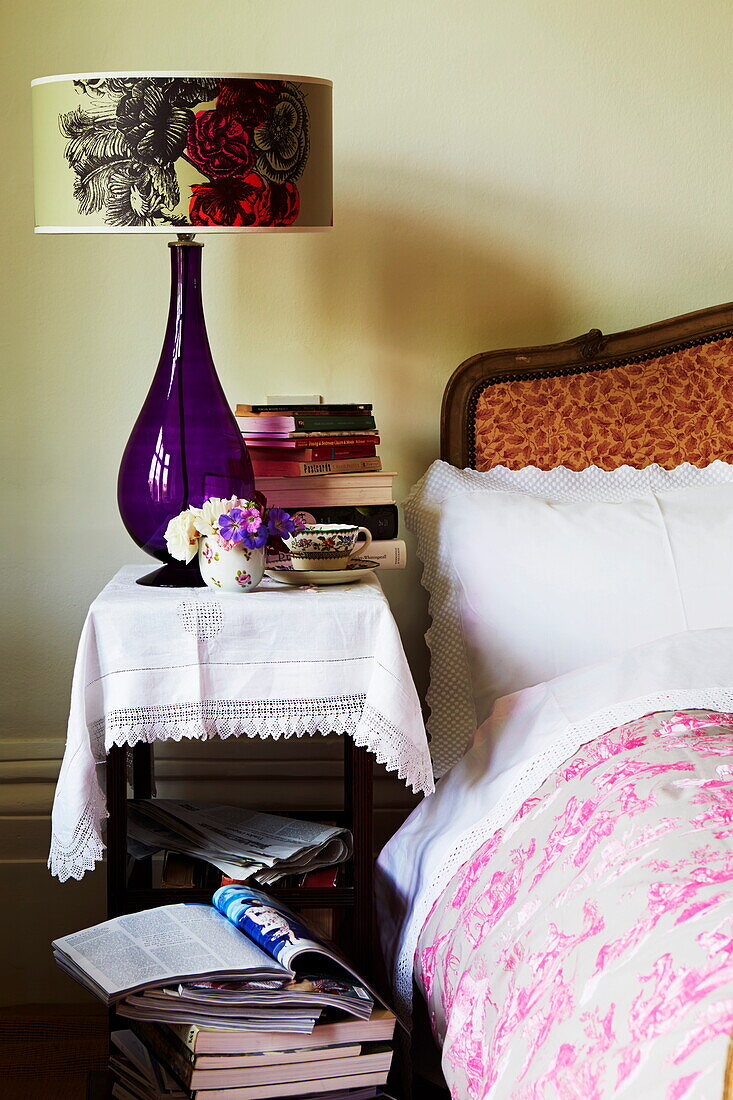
(257, 539)
(233, 525)
(253, 520)
(280, 523)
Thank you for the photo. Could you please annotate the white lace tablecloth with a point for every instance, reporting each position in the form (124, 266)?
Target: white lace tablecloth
(163, 664)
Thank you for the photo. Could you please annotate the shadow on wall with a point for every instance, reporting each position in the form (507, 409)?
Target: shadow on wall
(416, 292)
(416, 276)
(449, 271)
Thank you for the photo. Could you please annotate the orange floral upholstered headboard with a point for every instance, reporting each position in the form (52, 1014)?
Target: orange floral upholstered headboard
(662, 393)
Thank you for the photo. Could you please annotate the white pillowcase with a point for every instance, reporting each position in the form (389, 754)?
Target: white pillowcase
(534, 573)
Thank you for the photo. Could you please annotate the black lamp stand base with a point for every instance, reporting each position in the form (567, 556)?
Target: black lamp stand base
(174, 576)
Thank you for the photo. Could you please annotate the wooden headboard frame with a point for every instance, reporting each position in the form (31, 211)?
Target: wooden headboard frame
(470, 385)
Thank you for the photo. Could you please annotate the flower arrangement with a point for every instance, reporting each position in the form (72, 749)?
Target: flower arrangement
(229, 523)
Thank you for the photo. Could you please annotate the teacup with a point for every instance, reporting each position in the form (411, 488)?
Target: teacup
(325, 545)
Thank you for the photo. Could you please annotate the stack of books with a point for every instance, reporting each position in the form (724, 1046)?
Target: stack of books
(322, 461)
(344, 1059)
(230, 1001)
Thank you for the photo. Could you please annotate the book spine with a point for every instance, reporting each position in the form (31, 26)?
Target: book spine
(381, 521)
(388, 553)
(379, 479)
(310, 410)
(168, 1049)
(319, 454)
(308, 499)
(288, 1090)
(185, 1033)
(309, 439)
(334, 423)
(274, 468)
(311, 454)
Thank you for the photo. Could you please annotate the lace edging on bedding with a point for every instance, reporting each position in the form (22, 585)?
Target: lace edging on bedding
(539, 769)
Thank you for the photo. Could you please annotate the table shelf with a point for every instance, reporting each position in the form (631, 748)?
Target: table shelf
(353, 901)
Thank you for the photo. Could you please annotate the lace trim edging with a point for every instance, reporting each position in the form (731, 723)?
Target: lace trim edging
(86, 848)
(365, 725)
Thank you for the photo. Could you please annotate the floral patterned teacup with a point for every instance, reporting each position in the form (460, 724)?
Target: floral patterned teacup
(237, 569)
(325, 545)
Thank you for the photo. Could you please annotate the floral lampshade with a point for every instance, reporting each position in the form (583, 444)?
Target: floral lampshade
(181, 153)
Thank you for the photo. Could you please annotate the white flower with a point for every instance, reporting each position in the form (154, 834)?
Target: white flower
(182, 537)
(206, 518)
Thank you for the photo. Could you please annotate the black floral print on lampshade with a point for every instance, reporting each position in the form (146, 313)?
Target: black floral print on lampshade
(250, 146)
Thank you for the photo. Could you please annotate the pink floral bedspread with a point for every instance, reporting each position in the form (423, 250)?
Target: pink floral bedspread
(586, 949)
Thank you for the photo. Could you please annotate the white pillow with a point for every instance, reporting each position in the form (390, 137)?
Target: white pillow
(534, 573)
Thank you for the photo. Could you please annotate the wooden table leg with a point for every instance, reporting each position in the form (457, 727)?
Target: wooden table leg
(142, 770)
(116, 830)
(358, 803)
(116, 785)
(142, 787)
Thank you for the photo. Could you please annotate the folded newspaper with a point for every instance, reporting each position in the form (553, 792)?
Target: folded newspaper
(246, 962)
(243, 844)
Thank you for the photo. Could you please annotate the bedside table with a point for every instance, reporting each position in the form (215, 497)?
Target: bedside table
(165, 664)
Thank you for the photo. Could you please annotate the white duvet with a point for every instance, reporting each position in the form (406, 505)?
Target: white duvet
(528, 736)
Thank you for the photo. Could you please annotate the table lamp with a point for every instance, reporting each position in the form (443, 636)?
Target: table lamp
(182, 154)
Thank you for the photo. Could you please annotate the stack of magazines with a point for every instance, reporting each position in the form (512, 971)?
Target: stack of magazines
(241, 843)
(232, 1000)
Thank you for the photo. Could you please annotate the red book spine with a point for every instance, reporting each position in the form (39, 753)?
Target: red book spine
(324, 876)
(310, 454)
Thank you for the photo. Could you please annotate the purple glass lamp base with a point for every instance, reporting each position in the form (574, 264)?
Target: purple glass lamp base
(174, 575)
(186, 445)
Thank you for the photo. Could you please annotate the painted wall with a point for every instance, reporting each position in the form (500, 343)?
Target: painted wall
(506, 172)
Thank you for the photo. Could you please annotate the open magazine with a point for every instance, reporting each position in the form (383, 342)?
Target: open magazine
(244, 961)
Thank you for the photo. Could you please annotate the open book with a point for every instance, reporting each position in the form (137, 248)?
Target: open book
(246, 960)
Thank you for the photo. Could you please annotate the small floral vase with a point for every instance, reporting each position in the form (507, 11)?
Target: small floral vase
(235, 570)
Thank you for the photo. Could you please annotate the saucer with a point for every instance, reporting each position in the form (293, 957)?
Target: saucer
(360, 567)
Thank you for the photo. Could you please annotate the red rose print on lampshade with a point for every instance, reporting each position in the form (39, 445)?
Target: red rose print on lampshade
(183, 152)
(285, 203)
(232, 201)
(254, 124)
(252, 100)
(219, 144)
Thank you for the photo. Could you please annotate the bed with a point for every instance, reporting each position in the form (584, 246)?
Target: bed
(561, 909)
